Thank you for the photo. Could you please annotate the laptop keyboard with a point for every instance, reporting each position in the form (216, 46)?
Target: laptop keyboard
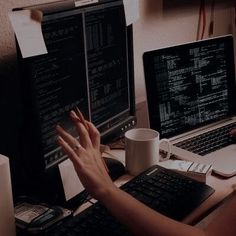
(208, 142)
(165, 191)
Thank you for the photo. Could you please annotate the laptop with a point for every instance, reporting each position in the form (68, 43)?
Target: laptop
(191, 100)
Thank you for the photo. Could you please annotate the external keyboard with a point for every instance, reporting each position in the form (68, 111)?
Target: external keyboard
(163, 190)
(208, 142)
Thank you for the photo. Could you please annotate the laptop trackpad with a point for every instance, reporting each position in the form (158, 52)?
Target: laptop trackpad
(223, 161)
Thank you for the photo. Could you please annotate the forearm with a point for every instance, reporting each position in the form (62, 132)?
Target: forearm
(224, 222)
(142, 220)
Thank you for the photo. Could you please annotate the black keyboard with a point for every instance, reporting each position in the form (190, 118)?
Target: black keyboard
(163, 190)
(208, 142)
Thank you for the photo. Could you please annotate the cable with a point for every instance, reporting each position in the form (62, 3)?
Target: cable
(204, 18)
(201, 20)
(211, 25)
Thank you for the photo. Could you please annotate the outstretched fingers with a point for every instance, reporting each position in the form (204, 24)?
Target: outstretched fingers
(89, 138)
(73, 142)
(70, 152)
(94, 135)
(82, 129)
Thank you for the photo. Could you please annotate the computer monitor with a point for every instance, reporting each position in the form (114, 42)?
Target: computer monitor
(89, 64)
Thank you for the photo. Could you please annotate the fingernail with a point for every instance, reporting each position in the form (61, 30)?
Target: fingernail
(59, 128)
(60, 139)
(74, 116)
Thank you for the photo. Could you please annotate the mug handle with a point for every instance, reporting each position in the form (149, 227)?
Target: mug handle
(169, 149)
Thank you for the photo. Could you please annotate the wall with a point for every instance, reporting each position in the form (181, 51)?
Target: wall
(169, 22)
(7, 43)
(162, 23)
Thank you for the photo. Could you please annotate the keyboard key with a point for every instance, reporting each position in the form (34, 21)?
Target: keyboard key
(209, 141)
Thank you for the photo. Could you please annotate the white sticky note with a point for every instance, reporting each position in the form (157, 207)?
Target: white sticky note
(71, 183)
(131, 11)
(27, 27)
(79, 3)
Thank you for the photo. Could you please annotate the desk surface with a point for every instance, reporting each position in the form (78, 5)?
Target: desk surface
(224, 188)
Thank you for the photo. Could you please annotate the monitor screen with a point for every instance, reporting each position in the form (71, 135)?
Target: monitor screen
(89, 64)
(190, 85)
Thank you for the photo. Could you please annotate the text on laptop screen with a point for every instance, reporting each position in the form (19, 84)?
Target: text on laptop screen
(189, 85)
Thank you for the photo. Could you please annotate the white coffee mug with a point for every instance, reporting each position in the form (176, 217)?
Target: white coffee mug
(142, 149)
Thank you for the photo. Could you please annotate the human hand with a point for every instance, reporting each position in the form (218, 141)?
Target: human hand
(86, 157)
(232, 133)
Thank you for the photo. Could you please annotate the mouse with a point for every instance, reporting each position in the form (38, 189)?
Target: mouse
(115, 167)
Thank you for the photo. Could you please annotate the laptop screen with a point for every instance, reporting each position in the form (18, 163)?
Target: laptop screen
(190, 85)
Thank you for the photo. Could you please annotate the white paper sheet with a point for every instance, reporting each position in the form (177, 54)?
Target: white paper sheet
(27, 27)
(71, 183)
(131, 11)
